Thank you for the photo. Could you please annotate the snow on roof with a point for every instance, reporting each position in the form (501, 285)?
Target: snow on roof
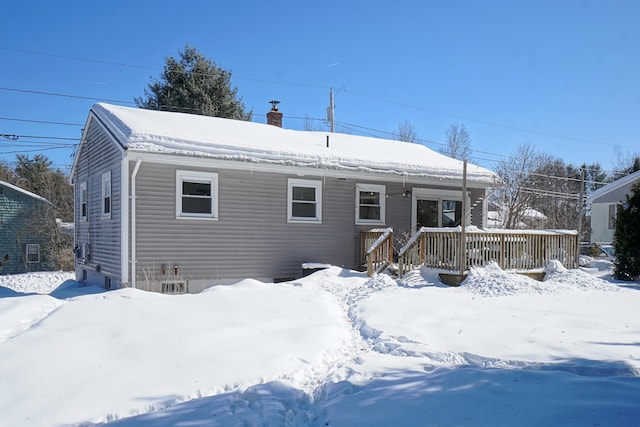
(151, 131)
(23, 191)
(626, 180)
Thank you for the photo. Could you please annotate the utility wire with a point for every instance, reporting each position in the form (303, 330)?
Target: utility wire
(40, 121)
(36, 92)
(376, 98)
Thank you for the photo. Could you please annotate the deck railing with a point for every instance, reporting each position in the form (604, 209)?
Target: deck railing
(376, 246)
(510, 249)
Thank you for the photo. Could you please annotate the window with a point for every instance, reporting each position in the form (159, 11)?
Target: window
(304, 201)
(83, 201)
(196, 194)
(106, 195)
(612, 216)
(32, 253)
(370, 204)
(436, 208)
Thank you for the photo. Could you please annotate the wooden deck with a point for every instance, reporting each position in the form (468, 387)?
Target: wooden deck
(450, 249)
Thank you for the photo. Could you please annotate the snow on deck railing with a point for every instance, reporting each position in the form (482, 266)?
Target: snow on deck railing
(511, 249)
(379, 249)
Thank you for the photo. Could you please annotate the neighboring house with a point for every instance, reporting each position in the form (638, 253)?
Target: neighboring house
(26, 222)
(170, 201)
(604, 202)
(531, 218)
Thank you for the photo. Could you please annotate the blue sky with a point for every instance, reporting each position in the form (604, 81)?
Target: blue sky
(562, 75)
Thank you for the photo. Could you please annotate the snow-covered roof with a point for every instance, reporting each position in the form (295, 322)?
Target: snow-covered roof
(140, 130)
(23, 191)
(615, 185)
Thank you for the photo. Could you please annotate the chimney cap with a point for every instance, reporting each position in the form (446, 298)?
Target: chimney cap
(274, 105)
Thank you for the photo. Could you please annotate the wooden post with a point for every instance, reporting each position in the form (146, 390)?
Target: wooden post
(463, 220)
(580, 201)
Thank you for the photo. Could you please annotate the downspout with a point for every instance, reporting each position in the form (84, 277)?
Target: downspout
(133, 222)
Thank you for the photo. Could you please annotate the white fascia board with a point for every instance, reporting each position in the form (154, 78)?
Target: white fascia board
(301, 171)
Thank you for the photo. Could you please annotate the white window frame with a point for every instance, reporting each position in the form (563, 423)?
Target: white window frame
(32, 249)
(439, 196)
(84, 201)
(371, 188)
(107, 193)
(308, 183)
(210, 178)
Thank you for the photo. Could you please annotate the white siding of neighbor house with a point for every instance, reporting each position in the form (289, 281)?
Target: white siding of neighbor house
(600, 231)
(98, 154)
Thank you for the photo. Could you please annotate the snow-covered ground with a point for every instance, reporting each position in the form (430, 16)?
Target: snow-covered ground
(332, 349)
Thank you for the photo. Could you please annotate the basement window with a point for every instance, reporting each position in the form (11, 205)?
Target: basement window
(196, 195)
(32, 253)
(304, 201)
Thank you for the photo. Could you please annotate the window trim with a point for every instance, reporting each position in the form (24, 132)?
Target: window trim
(84, 201)
(210, 178)
(106, 177)
(439, 195)
(306, 183)
(27, 252)
(371, 188)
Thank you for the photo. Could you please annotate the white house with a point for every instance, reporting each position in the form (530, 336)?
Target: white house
(604, 203)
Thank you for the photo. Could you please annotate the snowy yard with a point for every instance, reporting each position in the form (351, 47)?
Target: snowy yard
(332, 349)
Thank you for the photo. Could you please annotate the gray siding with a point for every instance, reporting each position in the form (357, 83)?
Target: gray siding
(252, 237)
(615, 196)
(99, 154)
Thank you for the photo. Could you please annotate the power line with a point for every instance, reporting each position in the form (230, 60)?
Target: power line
(36, 92)
(300, 84)
(75, 58)
(485, 122)
(40, 121)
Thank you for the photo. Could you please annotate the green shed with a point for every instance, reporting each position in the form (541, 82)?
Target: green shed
(27, 222)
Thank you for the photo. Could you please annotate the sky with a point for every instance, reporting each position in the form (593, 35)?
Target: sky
(559, 75)
(335, 348)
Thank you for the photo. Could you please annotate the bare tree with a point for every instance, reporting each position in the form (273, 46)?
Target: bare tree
(406, 132)
(513, 197)
(458, 143)
(626, 164)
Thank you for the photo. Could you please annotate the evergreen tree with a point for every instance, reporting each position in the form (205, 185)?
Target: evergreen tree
(626, 237)
(193, 84)
(35, 174)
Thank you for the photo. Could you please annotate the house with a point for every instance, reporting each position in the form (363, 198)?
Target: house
(532, 219)
(604, 202)
(178, 202)
(26, 224)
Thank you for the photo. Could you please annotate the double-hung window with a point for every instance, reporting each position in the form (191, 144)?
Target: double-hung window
(370, 204)
(196, 194)
(304, 201)
(84, 213)
(106, 195)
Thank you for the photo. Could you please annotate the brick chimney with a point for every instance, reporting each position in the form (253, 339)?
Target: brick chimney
(274, 117)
